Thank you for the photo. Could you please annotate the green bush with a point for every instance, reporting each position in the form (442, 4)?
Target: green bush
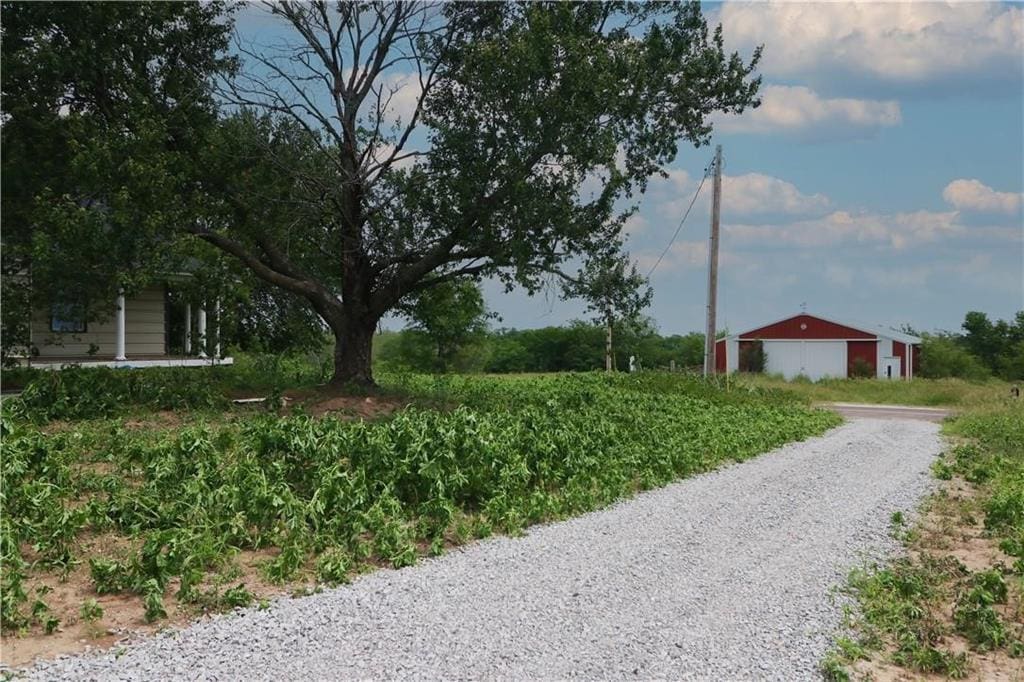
(861, 369)
(752, 357)
(942, 356)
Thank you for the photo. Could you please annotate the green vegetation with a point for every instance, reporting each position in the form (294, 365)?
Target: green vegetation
(96, 392)
(996, 462)
(904, 607)
(328, 497)
(84, 393)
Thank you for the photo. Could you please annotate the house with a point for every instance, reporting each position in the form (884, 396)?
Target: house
(818, 347)
(149, 329)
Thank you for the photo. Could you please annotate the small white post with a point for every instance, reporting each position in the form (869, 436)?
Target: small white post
(188, 328)
(201, 330)
(216, 328)
(119, 355)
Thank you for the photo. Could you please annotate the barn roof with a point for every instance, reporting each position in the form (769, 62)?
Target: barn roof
(875, 330)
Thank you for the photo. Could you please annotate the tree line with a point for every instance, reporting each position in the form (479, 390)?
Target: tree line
(980, 349)
(576, 347)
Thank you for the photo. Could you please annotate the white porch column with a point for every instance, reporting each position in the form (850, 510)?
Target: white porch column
(119, 332)
(201, 330)
(216, 328)
(188, 328)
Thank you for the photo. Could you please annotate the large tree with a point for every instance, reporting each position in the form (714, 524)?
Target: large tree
(528, 128)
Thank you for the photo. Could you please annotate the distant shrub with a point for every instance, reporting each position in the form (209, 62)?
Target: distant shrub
(943, 357)
(861, 369)
(752, 357)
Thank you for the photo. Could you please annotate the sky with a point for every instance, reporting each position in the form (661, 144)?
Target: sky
(880, 180)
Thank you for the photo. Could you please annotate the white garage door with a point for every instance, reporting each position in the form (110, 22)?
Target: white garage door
(784, 357)
(813, 359)
(825, 359)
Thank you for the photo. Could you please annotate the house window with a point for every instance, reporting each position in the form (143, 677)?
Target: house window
(67, 317)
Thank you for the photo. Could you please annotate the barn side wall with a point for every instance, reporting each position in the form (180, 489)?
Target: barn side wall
(720, 356)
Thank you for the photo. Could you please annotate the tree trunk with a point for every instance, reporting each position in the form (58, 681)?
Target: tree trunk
(608, 345)
(353, 344)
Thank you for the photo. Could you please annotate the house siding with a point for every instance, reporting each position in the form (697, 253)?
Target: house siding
(145, 330)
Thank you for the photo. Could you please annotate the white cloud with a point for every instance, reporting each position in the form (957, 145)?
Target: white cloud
(757, 193)
(800, 111)
(898, 230)
(396, 93)
(742, 195)
(383, 151)
(973, 195)
(909, 43)
(635, 224)
(684, 255)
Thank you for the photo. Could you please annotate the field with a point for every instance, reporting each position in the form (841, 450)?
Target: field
(145, 497)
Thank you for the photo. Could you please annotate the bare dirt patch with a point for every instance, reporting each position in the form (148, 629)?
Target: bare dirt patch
(324, 401)
(164, 419)
(123, 616)
(357, 407)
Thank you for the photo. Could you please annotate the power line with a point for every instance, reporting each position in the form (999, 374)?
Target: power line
(681, 222)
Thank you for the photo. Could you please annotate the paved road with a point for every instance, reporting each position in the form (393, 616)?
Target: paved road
(864, 411)
(724, 576)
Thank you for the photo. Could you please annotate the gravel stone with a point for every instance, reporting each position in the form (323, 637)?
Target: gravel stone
(729, 575)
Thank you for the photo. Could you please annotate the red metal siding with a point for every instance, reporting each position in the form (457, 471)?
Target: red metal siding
(720, 364)
(864, 350)
(900, 351)
(815, 328)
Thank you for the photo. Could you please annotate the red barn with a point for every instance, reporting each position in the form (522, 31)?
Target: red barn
(817, 347)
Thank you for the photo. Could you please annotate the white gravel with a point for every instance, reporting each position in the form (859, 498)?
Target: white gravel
(728, 575)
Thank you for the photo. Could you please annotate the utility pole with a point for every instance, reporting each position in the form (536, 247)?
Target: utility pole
(716, 207)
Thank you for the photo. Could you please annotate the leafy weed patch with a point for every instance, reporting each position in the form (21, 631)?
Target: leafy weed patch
(327, 498)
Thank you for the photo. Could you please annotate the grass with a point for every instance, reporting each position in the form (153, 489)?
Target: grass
(921, 392)
(164, 514)
(954, 605)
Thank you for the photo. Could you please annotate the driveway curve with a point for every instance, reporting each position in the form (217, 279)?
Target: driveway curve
(727, 575)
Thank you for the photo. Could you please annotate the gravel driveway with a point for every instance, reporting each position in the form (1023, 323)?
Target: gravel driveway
(728, 575)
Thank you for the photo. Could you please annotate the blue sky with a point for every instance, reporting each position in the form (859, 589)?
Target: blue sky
(881, 180)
